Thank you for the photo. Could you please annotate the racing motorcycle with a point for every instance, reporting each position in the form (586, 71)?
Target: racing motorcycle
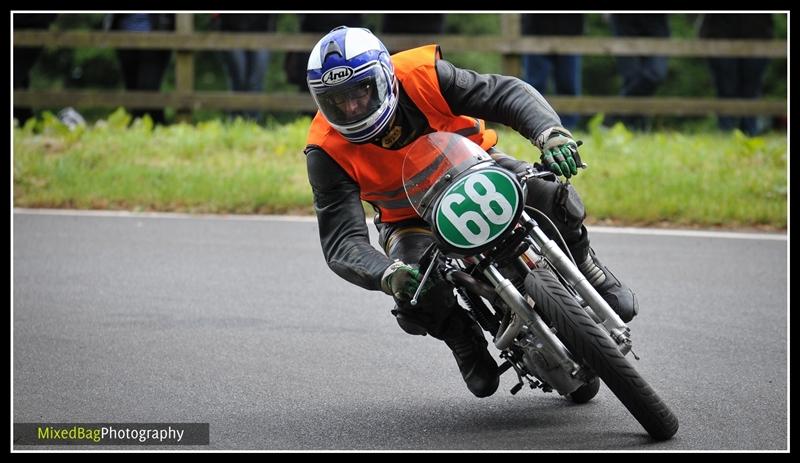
(519, 283)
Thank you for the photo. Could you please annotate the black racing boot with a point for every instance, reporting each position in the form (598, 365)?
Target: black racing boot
(478, 368)
(619, 296)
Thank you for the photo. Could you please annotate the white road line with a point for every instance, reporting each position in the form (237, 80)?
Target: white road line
(293, 218)
(164, 215)
(688, 233)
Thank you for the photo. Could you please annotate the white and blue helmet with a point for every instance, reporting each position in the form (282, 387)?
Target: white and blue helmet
(351, 63)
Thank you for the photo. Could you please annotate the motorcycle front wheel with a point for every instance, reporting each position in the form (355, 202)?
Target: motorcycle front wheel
(591, 345)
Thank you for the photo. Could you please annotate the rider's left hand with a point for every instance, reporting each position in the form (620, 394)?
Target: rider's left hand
(559, 152)
(401, 281)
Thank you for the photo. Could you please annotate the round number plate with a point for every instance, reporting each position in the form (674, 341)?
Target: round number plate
(477, 209)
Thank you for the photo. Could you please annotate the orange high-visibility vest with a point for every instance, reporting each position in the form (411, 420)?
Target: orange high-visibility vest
(377, 170)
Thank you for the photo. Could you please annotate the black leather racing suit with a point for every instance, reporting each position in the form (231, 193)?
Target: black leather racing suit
(502, 99)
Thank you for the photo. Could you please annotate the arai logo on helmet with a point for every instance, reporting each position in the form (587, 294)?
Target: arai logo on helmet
(337, 75)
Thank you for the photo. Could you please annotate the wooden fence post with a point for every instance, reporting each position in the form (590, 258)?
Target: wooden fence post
(511, 31)
(184, 66)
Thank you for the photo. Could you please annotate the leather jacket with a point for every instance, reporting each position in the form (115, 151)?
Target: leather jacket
(342, 227)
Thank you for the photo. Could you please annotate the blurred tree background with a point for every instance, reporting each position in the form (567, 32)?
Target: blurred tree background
(97, 68)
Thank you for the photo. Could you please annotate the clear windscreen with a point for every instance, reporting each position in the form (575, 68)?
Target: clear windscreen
(432, 162)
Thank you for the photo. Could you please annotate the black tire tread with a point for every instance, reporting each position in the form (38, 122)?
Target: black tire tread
(592, 345)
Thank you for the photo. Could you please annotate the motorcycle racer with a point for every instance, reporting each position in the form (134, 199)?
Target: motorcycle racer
(372, 106)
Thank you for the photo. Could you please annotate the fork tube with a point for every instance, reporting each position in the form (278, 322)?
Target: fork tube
(517, 302)
(599, 306)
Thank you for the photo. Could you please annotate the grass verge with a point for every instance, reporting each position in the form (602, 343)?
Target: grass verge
(699, 180)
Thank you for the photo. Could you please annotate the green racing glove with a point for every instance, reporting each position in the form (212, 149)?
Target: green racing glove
(559, 151)
(401, 281)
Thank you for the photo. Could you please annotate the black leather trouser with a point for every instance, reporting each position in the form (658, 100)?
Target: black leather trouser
(564, 207)
(407, 241)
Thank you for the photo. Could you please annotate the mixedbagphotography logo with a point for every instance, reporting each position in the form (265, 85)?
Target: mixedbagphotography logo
(111, 433)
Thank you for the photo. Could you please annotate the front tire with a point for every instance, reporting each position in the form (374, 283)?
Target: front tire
(592, 346)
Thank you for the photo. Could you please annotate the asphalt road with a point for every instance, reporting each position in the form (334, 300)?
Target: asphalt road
(240, 324)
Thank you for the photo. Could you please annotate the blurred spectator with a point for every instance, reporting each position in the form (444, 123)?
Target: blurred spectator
(537, 69)
(25, 57)
(296, 62)
(245, 69)
(432, 24)
(71, 118)
(641, 75)
(737, 77)
(143, 69)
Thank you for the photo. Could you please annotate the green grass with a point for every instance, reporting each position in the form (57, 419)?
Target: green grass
(713, 179)
(212, 167)
(705, 180)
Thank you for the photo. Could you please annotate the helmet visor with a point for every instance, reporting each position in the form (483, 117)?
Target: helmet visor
(352, 102)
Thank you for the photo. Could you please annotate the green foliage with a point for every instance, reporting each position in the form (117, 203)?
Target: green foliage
(242, 167)
(708, 180)
(212, 167)
(472, 24)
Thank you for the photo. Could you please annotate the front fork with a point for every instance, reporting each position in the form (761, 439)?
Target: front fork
(597, 308)
(555, 366)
